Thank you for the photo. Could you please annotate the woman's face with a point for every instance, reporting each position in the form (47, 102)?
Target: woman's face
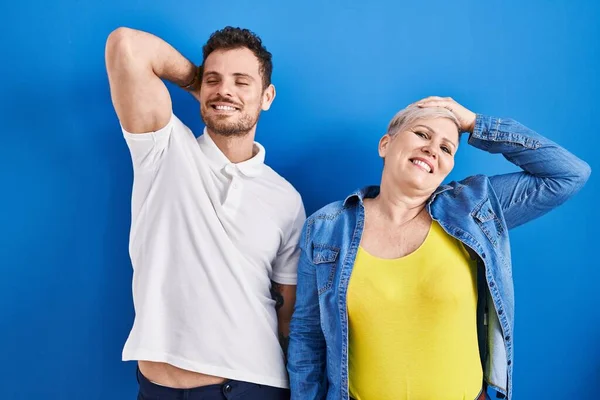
(420, 156)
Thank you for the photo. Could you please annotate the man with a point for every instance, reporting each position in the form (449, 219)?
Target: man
(214, 230)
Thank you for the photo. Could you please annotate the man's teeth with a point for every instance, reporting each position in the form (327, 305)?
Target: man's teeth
(225, 108)
(422, 164)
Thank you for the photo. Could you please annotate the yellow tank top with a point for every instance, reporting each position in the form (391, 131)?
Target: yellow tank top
(412, 324)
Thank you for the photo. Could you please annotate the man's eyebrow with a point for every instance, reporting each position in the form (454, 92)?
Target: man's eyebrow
(445, 139)
(237, 74)
(243, 75)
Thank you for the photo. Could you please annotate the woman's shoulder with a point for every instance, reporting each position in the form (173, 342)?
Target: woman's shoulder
(331, 225)
(468, 193)
(471, 183)
(340, 208)
(329, 212)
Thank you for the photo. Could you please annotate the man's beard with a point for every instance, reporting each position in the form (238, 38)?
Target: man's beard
(229, 126)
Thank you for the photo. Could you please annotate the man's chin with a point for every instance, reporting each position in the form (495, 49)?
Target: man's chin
(225, 125)
(228, 129)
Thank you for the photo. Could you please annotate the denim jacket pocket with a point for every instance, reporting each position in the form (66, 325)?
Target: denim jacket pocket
(324, 258)
(488, 221)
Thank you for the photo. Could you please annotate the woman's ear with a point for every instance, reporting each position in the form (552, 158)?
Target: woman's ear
(384, 144)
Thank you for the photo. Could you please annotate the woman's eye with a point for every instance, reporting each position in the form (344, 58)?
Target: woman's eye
(421, 134)
(447, 150)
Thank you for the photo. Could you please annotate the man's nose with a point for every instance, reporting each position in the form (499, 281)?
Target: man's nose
(225, 89)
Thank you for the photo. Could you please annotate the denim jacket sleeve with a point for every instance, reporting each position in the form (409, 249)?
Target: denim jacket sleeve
(307, 350)
(550, 176)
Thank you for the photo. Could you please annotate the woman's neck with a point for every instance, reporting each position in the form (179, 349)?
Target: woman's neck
(398, 207)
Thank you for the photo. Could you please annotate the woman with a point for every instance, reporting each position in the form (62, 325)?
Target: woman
(405, 290)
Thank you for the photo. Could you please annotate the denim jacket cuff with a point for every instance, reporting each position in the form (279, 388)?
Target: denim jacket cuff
(485, 127)
(489, 130)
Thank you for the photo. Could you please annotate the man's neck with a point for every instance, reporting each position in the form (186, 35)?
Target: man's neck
(236, 148)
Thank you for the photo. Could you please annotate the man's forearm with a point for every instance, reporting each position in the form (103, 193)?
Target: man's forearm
(141, 47)
(285, 297)
(284, 335)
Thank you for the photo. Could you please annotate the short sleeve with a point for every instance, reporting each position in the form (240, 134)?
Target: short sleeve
(146, 149)
(285, 267)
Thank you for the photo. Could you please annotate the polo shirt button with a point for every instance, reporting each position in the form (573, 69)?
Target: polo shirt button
(229, 169)
(227, 388)
(235, 185)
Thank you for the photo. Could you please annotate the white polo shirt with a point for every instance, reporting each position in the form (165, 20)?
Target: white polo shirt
(207, 236)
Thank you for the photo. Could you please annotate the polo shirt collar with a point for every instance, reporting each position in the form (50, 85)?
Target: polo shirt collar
(218, 161)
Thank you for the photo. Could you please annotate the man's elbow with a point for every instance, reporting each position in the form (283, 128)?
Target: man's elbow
(119, 45)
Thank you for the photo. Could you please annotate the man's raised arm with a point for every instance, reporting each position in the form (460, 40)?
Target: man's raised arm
(136, 62)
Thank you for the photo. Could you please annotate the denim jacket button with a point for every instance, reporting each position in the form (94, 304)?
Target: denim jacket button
(508, 338)
(500, 312)
(492, 284)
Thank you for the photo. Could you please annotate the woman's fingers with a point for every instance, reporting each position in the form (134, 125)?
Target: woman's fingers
(437, 103)
(465, 116)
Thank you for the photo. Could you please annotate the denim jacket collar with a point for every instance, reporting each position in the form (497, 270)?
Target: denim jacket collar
(369, 192)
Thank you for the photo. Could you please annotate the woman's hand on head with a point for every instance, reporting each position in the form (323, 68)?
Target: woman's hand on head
(465, 117)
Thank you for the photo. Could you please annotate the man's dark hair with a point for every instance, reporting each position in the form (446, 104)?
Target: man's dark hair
(230, 38)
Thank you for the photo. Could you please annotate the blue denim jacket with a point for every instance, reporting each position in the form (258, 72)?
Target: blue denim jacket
(478, 211)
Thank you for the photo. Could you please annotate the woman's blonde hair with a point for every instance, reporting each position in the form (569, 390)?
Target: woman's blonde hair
(410, 114)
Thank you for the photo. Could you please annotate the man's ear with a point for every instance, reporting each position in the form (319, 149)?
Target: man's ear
(268, 97)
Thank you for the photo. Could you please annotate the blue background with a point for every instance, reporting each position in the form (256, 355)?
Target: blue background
(342, 69)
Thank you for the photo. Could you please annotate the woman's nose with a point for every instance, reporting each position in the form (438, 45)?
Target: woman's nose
(429, 151)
